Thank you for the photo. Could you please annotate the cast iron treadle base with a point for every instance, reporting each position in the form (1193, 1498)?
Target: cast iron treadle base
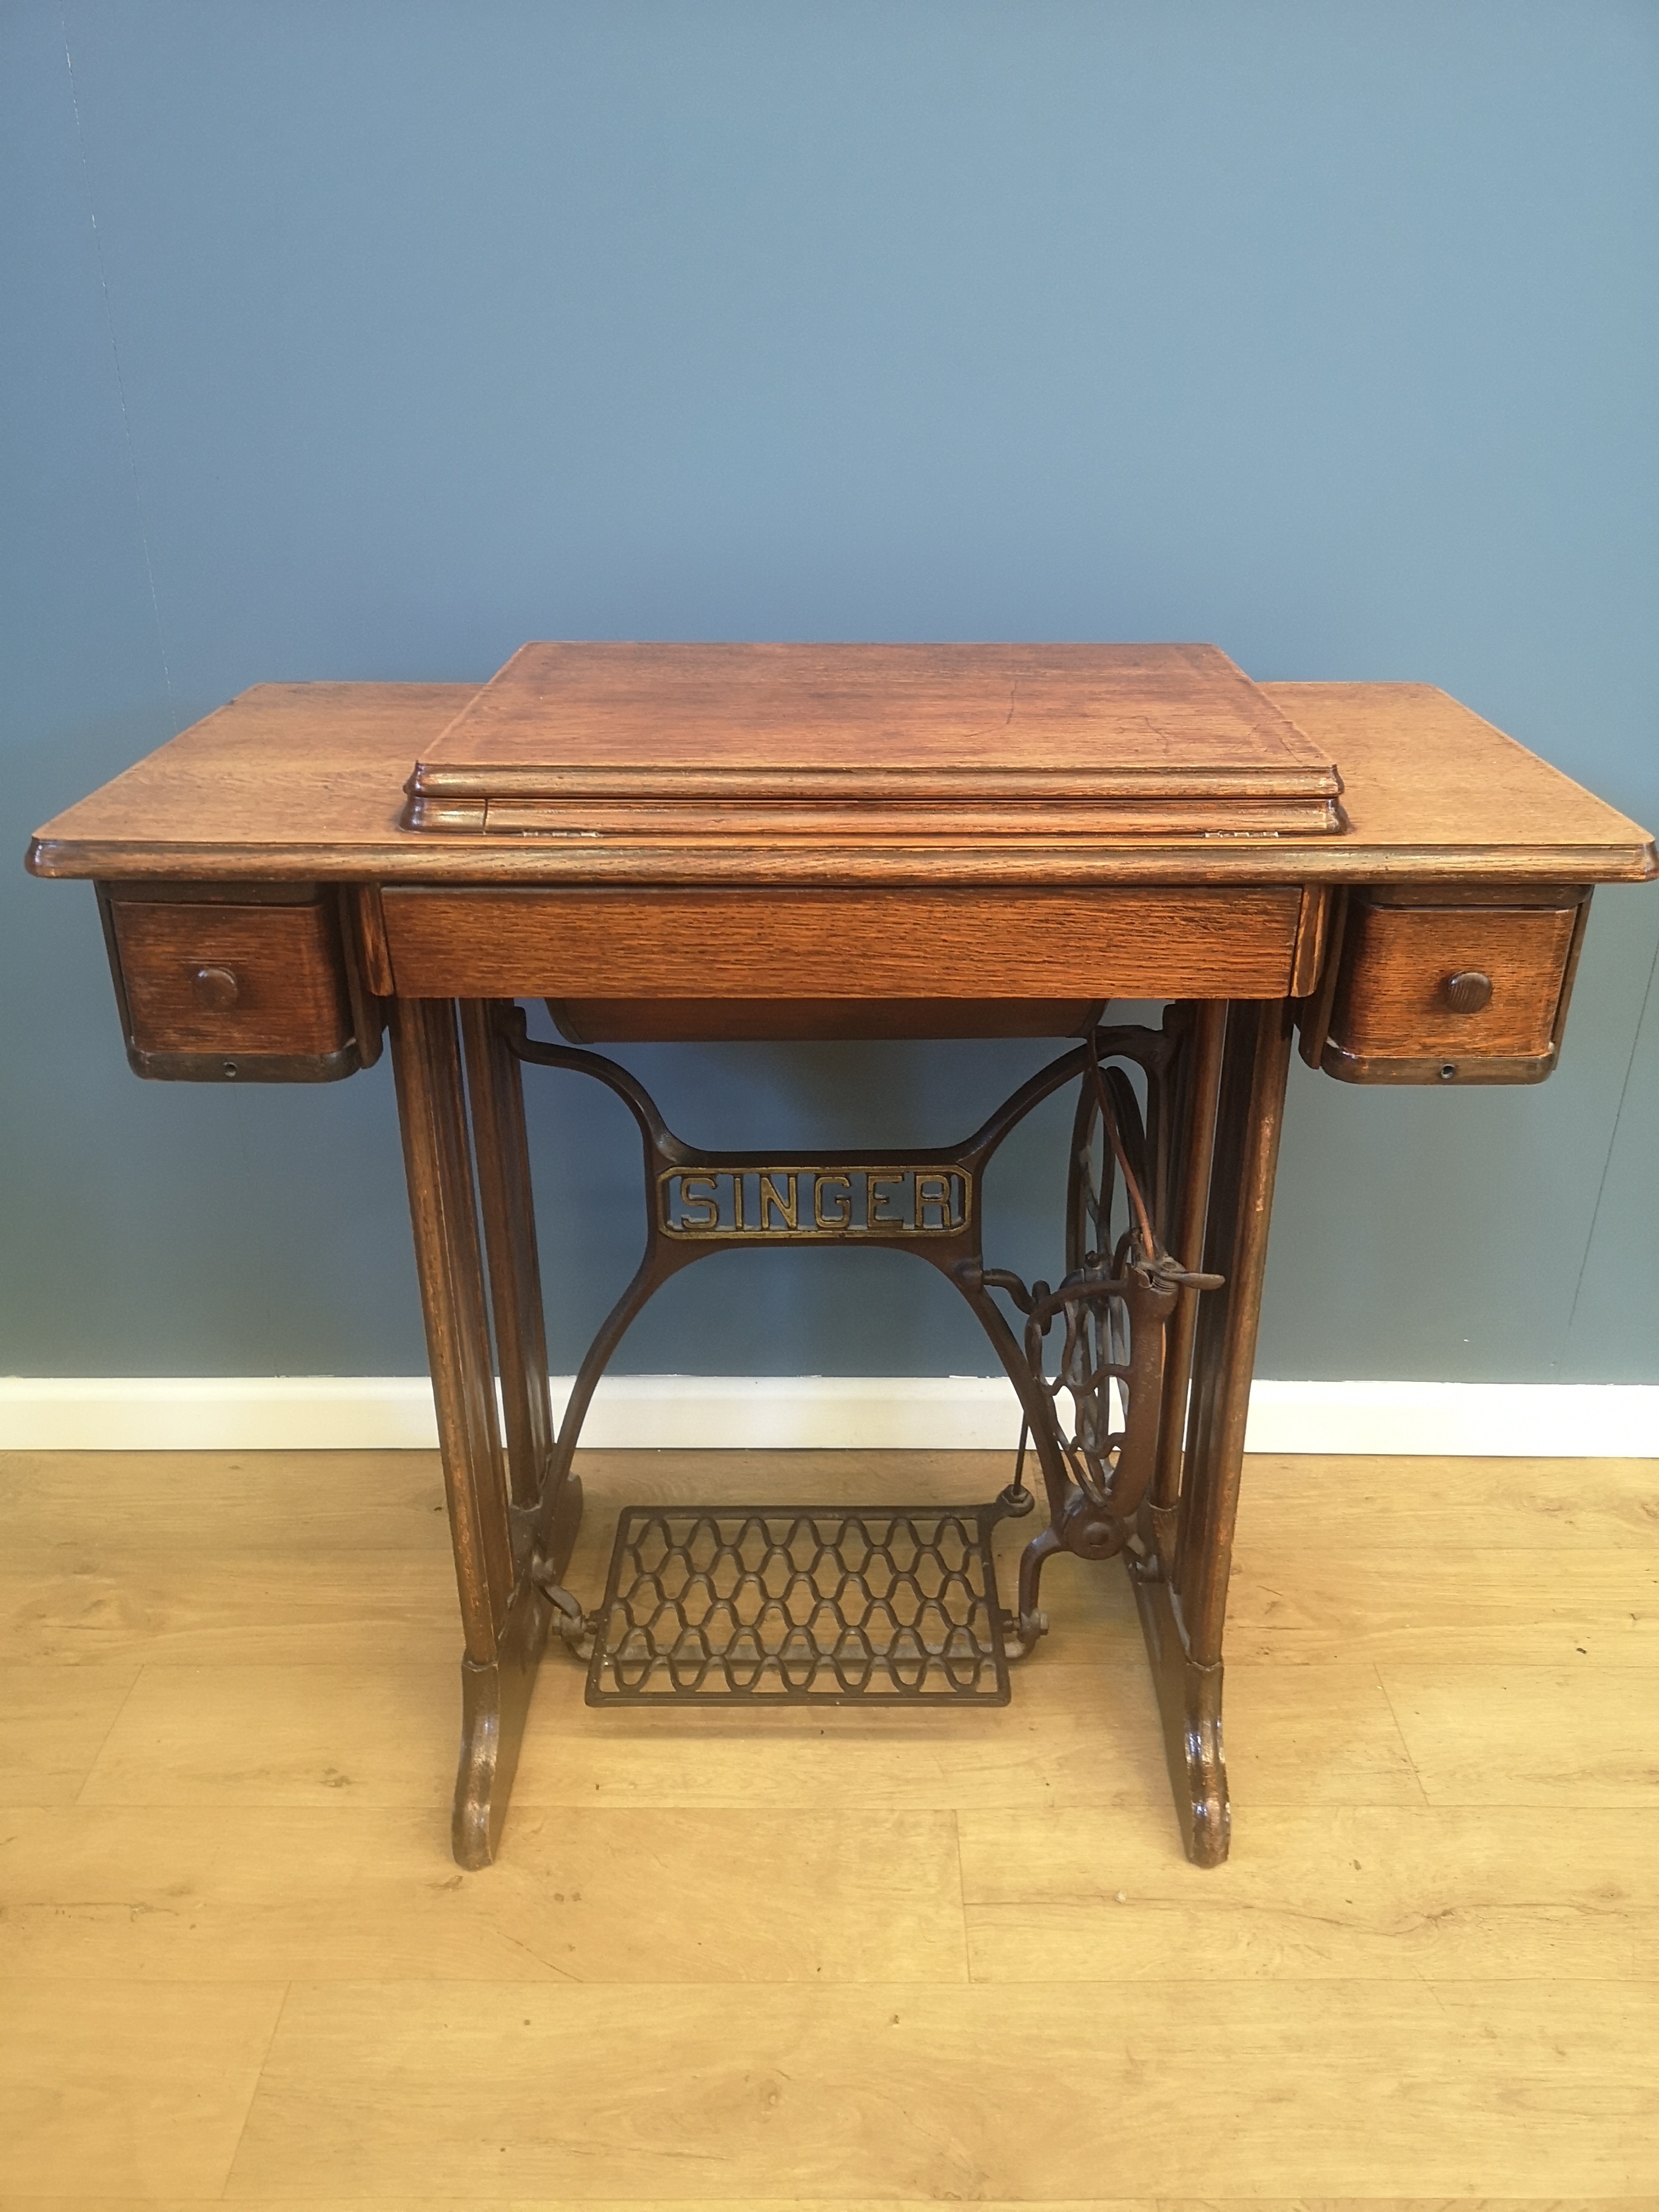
(826, 1604)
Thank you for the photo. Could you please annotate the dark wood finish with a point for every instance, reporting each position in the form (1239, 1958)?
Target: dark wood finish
(505, 1617)
(234, 891)
(495, 1704)
(232, 978)
(369, 1006)
(1183, 1607)
(1250, 1119)
(1134, 943)
(1312, 933)
(443, 1209)
(217, 989)
(1474, 892)
(704, 1021)
(221, 983)
(496, 1091)
(734, 745)
(1199, 1110)
(1314, 1013)
(365, 901)
(503, 1629)
(1189, 1691)
(1471, 992)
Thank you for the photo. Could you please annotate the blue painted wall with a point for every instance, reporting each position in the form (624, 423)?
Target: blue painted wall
(367, 340)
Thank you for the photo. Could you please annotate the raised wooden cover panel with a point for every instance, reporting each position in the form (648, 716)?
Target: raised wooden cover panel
(202, 978)
(1394, 996)
(759, 743)
(1128, 941)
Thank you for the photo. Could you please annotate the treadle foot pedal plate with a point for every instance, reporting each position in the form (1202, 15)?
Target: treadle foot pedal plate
(800, 1604)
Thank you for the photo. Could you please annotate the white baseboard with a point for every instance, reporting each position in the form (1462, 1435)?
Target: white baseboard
(958, 1412)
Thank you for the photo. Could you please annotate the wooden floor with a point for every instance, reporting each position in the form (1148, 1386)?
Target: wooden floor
(889, 1960)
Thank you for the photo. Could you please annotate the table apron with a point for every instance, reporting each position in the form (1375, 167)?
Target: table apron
(1123, 941)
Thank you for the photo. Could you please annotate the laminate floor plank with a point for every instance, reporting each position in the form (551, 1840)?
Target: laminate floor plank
(53, 1723)
(138, 2089)
(285, 1735)
(1375, 1892)
(1307, 1736)
(406, 2203)
(357, 1499)
(1073, 1734)
(282, 1734)
(353, 1893)
(1531, 1736)
(1183, 2089)
(1306, 1604)
(255, 1608)
(315, 1734)
(1328, 1502)
(248, 1606)
(826, 1960)
(1283, 1608)
(220, 1503)
(1414, 1505)
(450, 2203)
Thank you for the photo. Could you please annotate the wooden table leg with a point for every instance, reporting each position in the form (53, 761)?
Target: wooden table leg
(1182, 1603)
(544, 1525)
(504, 1616)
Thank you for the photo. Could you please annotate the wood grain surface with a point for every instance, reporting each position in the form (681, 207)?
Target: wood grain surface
(287, 991)
(1391, 998)
(1092, 721)
(1139, 942)
(826, 1959)
(306, 781)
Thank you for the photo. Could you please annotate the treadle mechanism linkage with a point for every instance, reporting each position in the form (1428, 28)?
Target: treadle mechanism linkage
(714, 1602)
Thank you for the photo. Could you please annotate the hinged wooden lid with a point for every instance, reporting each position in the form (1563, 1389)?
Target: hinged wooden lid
(740, 743)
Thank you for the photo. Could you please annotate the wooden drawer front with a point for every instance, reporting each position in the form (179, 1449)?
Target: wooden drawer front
(1395, 1016)
(1133, 942)
(265, 980)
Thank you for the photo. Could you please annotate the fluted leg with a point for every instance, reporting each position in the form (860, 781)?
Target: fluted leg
(504, 1616)
(1181, 1587)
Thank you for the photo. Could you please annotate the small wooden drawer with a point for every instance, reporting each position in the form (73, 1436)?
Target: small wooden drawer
(1464, 992)
(223, 984)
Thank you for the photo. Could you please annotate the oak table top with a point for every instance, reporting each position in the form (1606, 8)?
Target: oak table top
(306, 782)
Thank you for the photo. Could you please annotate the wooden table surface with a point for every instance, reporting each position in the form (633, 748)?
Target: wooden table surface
(306, 781)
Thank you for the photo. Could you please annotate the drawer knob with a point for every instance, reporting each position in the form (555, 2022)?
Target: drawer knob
(215, 988)
(1469, 991)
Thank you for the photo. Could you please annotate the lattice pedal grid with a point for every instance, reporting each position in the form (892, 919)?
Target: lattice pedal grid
(830, 1604)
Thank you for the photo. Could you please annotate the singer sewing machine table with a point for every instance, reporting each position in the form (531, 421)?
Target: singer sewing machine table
(851, 841)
